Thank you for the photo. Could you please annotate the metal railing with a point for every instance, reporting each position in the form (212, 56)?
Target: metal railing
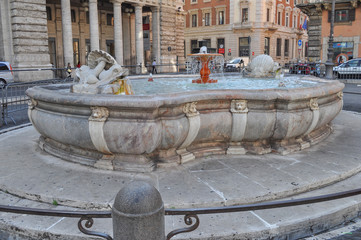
(14, 101)
(307, 68)
(318, 69)
(190, 215)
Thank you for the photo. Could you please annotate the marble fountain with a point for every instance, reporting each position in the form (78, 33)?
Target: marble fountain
(237, 140)
(87, 123)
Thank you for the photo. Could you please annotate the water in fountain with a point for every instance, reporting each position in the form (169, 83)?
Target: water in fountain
(184, 84)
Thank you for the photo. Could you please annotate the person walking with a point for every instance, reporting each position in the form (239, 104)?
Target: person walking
(68, 70)
(153, 67)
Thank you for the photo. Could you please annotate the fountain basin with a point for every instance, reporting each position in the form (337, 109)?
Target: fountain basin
(141, 133)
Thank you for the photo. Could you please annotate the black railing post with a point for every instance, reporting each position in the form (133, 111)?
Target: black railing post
(138, 213)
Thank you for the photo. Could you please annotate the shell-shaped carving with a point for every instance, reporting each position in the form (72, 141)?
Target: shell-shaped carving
(96, 56)
(262, 66)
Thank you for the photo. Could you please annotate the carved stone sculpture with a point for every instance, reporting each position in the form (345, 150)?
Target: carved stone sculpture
(262, 66)
(101, 75)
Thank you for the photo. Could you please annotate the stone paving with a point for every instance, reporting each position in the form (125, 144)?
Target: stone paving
(29, 177)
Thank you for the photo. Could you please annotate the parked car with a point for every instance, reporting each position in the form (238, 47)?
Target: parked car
(235, 64)
(6, 74)
(349, 69)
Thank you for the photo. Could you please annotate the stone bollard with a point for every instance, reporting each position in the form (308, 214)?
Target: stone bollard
(138, 213)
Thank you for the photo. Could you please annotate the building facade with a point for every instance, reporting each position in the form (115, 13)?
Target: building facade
(347, 30)
(52, 33)
(247, 28)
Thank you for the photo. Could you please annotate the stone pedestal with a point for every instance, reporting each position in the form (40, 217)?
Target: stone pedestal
(138, 213)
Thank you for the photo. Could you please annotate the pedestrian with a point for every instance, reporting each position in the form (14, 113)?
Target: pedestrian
(153, 67)
(68, 70)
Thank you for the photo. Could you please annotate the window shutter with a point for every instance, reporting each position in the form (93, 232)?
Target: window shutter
(352, 14)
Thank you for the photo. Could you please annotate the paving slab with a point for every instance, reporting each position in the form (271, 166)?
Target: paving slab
(32, 178)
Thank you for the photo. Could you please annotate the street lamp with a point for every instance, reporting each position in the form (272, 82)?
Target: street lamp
(329, 62)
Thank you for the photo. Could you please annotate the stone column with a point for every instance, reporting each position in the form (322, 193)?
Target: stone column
(94, 24)
(118, 31)
(156, 35)
(139, 39)
(6, 40)
(67, 32)
(127, 39)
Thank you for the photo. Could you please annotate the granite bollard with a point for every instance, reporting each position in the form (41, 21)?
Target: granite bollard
(138, 213)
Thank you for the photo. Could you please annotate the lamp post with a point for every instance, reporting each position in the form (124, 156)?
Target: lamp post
(329, 62)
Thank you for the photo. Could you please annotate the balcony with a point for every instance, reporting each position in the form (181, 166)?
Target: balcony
(299, 31)
(270, 26)
(243, 25)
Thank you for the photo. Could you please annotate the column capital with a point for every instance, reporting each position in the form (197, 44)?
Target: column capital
(93, 1)
(117, 1)
(139, 5)
(155, 9)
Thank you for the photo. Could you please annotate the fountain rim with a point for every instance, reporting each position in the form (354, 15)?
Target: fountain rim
(46, 94)
(205, 54)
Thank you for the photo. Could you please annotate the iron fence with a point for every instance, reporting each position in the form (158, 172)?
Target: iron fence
(349, 71)
(14, 101)
(190, 215)
(307, 68)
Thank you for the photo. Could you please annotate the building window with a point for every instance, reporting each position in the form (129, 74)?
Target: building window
(194, 20)
(110, 19)
(207, 17)
(286, 23)
(279, 18)
(110, 47)
(221, 17)
(244, 43)
(345, 15)
(266, 45)
(194, 45)
(278, 47)
(287, 44)
(294, 22)
(205, 42)
(76, 50)
(342, 49)
(268, 14)
(73, 16)
(220, 45)
(194, 1)
(48, 13)
(244, 14)
(52, 51)
(87, 50)
(87, 17)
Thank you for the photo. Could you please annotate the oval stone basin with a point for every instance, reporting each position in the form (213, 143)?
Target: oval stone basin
(142, 132)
